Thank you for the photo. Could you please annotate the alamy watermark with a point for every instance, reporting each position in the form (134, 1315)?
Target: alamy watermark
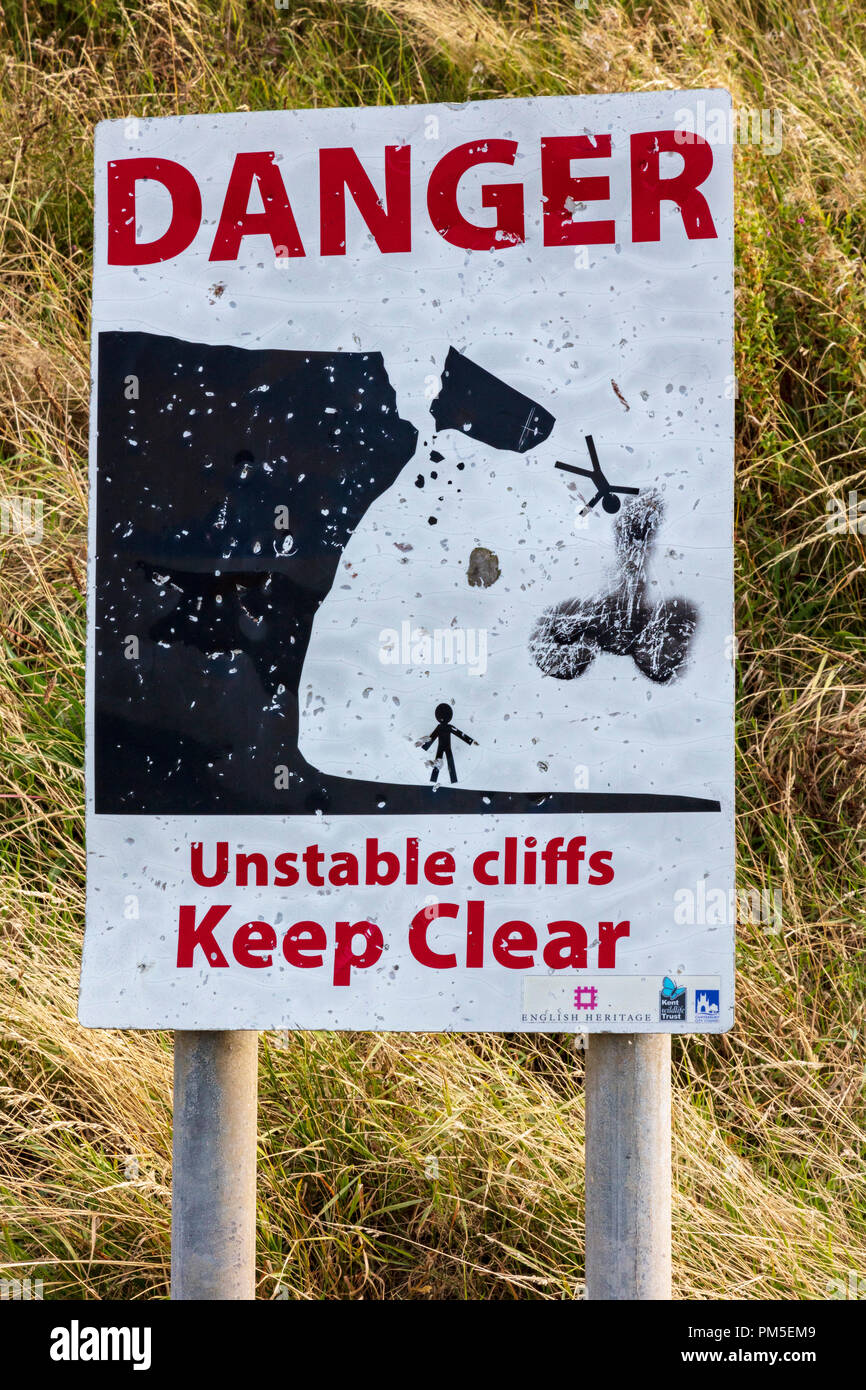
(850, 520)
(448, 646)
(21, 516)
(703, 906)
(852, 1287)
(77, 1343)
(23, 1290)
(720, 125)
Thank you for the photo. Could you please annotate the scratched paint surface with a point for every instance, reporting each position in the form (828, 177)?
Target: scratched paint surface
(330, 507)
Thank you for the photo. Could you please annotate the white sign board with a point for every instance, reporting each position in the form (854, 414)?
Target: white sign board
(410, 656)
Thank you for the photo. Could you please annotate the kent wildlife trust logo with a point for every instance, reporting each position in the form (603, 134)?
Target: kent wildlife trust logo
(672, 1002)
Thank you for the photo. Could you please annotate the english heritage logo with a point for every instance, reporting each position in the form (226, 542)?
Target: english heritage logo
(672, 1002)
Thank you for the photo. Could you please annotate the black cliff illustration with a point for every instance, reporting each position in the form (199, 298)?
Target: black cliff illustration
(229, 482)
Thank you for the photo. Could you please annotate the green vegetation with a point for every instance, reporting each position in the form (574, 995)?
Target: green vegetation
(451, 1167)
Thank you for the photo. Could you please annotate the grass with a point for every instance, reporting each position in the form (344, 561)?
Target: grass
(451, 1167)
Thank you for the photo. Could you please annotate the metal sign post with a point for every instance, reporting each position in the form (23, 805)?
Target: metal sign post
(213, 1195)
(628, 1166)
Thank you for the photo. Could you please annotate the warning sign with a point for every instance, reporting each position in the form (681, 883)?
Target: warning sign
(410, 690)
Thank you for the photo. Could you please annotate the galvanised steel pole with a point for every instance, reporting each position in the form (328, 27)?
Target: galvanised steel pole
(213, 1201)
(628, 1166)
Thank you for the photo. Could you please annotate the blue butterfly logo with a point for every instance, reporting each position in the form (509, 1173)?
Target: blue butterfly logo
(671, 991)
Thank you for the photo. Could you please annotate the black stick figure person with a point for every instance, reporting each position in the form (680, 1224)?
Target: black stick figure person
(441, 735)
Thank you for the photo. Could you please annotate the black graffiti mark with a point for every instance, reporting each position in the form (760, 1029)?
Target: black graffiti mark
(441, 736)
(569, 636)
(606, 491)
(481, 405)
